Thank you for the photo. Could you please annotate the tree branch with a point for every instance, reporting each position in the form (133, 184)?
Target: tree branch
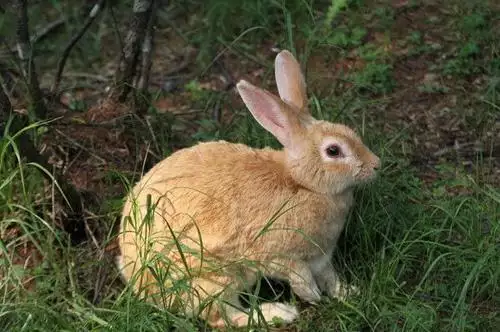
(64, 57)
(44, 32)
(25, 54)
(128, 61)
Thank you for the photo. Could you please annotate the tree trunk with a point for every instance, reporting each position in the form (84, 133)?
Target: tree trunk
(25, 53)
(142, 95)
(142, 10)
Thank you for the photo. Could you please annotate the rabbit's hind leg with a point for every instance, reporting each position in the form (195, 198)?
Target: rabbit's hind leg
(214, 299)
(219, 304)
(299, 275)
(328, 279)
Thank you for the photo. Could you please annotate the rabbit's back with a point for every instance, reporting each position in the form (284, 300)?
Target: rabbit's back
(216, 173)
(207, 190)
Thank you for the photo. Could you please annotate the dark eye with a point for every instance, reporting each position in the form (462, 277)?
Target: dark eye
(333, 151)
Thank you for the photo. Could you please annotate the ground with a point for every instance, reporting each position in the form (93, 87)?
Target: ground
(420, 80)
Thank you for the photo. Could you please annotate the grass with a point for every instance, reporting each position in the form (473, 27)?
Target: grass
(422, 241)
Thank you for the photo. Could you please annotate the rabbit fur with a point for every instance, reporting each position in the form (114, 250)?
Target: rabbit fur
(221, 213)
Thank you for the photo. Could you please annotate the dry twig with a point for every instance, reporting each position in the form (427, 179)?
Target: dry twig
(42, 33)
(64, 57)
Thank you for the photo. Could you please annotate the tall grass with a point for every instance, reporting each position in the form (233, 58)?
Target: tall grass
(424, 256)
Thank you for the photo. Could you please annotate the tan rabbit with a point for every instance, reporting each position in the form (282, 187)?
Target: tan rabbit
(219, 213)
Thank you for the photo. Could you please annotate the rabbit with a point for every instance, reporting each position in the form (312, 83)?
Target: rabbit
(223, 213)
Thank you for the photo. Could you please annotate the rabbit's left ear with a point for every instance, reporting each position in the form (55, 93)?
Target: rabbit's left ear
(269, 111)
(290, 81)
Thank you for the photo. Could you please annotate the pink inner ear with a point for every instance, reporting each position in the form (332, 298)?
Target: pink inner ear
(276, 119)
(267, 110)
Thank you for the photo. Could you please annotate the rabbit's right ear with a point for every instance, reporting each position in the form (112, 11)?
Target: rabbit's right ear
(289, 79)
(268, 110)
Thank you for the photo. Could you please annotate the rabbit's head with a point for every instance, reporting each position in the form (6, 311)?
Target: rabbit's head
(322, 156)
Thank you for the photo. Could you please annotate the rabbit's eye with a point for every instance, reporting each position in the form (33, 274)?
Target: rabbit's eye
(333, 151)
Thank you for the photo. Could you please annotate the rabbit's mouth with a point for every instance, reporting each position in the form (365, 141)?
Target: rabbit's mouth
(368, 170)
(366, 174)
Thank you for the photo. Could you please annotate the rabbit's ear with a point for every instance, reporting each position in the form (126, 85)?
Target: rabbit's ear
(268, 110)
(290, 81)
